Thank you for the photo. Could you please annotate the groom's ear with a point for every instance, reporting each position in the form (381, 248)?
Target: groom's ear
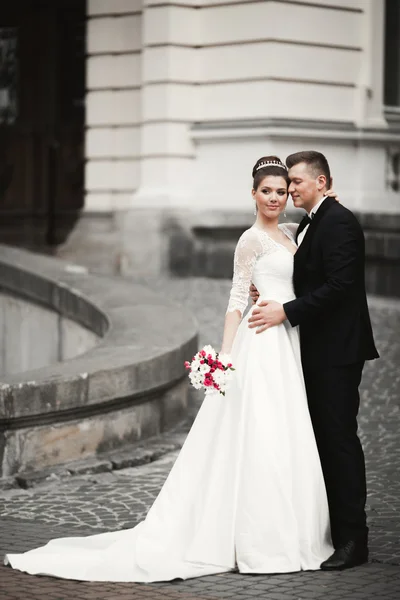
(321, 182)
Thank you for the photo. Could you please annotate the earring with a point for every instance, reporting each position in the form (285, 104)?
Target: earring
(284, 211)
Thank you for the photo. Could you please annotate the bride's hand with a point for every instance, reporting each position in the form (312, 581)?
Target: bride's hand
(254, 293)
(332, 194)
(224, 357)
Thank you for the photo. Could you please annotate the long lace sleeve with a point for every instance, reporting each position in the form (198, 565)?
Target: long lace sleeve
(247, 251)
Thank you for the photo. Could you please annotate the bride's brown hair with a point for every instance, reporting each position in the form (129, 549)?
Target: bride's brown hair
(277, 169)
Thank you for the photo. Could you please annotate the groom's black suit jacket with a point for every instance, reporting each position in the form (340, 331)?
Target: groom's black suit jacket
(329, 283)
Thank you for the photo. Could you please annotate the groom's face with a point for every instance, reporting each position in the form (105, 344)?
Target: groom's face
(303, 188)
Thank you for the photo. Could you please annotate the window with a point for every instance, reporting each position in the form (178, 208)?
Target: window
(392, 54)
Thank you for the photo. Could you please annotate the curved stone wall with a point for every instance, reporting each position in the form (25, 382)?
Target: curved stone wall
(33, 336)
(130, 385)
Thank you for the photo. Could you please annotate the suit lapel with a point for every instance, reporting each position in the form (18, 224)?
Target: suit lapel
(305, 245)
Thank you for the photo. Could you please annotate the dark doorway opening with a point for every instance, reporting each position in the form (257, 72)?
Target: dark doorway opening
(42, 118)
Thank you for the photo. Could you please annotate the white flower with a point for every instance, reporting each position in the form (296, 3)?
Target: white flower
(198, 377)
(204, 368)
(210, 350)
(219, 377)
(195, 366)
(196, 380)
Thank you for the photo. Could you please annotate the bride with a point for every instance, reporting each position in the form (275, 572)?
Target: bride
(246, 490)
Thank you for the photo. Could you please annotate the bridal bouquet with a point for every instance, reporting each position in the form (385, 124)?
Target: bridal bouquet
(210, 370)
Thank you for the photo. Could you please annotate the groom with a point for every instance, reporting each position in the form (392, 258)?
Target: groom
(336, 339)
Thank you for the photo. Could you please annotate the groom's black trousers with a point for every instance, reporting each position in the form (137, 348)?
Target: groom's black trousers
(333, 400)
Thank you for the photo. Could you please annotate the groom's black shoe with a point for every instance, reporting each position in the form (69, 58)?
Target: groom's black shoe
(348, 555)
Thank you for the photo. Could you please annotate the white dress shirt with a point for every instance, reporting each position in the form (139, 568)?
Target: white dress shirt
(311, 215)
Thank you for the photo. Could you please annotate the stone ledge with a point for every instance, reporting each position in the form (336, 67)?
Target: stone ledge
(137, 455)
(130, 386)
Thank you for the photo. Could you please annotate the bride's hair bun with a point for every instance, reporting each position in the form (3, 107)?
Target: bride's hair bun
(268, 165)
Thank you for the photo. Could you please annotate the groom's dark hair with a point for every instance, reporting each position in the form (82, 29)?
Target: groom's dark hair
(315, 160)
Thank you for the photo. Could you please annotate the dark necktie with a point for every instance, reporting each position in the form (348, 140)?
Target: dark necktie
(307, 220)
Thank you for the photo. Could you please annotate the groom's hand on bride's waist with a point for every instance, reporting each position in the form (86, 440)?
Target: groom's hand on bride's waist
(266, 314)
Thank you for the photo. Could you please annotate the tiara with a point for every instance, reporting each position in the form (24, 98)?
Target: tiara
(271, 164)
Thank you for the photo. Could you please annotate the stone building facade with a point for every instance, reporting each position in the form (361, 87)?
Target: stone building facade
(183, 96)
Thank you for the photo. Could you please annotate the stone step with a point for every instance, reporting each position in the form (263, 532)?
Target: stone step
(132, 456)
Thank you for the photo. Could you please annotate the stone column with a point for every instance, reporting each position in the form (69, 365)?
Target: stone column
(170, 35)
(370, 110)
(372, 169)
(113, 103)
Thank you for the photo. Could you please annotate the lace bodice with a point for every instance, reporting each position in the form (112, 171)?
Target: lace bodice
(261, 260)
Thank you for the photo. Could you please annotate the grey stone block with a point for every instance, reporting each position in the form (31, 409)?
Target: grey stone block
(30, 479)
(8, 483)
(93, 465)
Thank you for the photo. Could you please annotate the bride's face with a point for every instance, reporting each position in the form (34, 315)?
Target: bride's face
(271, 196)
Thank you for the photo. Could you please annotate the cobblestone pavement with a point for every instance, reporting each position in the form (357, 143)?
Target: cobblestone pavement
(92, 503)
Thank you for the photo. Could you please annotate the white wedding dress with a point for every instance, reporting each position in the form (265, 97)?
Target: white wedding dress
(246, 490)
